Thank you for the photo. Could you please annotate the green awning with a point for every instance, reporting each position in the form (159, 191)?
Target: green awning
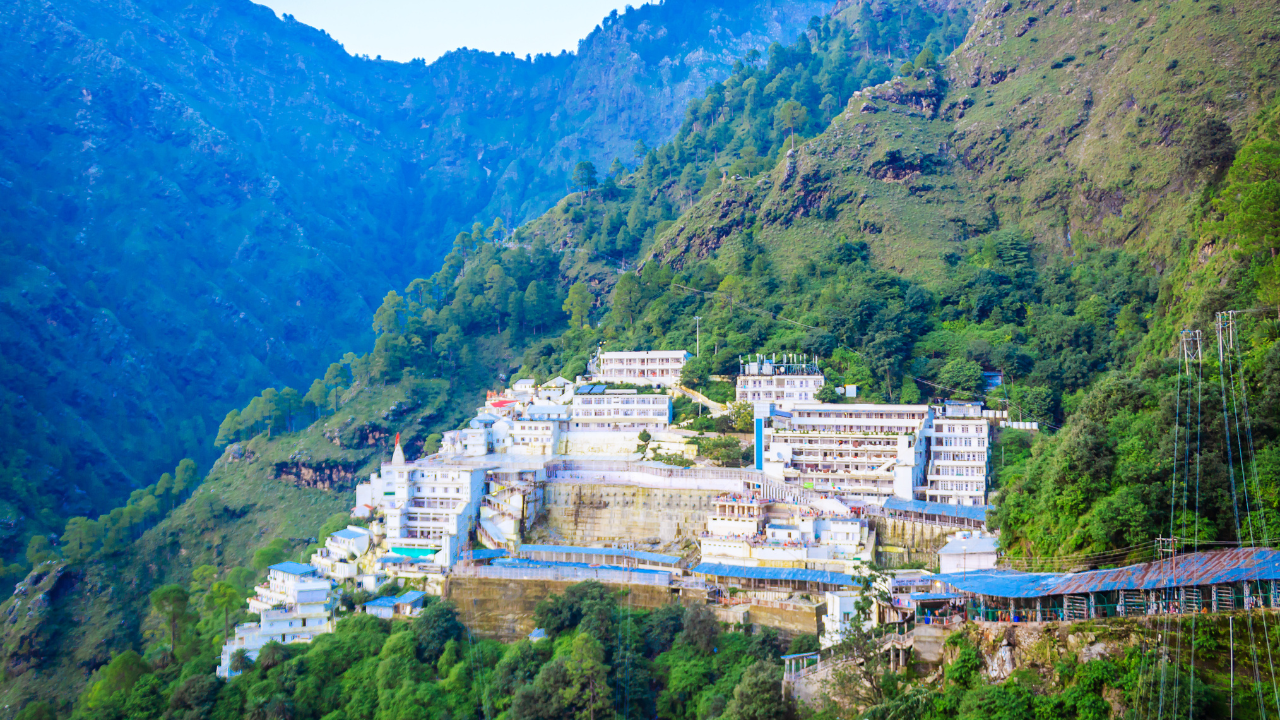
(414, 552)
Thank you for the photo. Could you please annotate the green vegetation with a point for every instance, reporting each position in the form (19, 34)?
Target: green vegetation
(1056, 206)
(171, 243)
(603, 660)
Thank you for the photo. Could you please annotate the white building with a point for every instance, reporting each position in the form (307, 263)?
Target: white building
(645, 367)
(794, 379)
(849, 609)
(596, 408)
(428, 506)
(293, 605)
(959, 455)
(736, 516)
(739, 532)
(340, 556)
(861, 451)
(968, 551)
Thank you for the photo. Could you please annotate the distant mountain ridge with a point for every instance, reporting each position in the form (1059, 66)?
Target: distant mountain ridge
(199, 200)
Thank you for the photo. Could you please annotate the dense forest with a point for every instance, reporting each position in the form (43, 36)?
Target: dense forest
(198, 201)
(902, 234)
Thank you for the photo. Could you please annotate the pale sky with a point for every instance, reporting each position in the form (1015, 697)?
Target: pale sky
(406, 29)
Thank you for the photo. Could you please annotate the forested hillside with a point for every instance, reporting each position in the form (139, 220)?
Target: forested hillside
(200, 200)
(1056, 200)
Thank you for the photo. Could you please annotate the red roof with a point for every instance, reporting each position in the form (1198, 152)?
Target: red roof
(501, 403)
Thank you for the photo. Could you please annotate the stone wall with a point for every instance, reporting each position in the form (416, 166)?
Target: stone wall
(581, 513)
(790, 621)
(504, 609)
(911, 535)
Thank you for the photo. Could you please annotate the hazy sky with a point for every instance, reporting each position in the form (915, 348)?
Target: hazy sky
(406, 29)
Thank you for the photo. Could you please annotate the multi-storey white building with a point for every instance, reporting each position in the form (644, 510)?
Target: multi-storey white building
(959, 455)
(783, 383)
(861, 451)
(644, 367)
(597, 408)
(736, 516)
(339, 558)
(427, 505)
(293, 605)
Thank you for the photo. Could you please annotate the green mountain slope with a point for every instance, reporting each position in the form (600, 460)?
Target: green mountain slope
(918, 238)
(197, 201)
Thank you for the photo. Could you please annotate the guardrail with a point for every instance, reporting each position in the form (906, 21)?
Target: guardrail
(618, 577)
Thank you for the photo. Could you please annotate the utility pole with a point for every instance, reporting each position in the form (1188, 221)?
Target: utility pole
(697, 324)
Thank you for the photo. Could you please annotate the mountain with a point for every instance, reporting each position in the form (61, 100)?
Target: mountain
(200, 200)
(1057, 200)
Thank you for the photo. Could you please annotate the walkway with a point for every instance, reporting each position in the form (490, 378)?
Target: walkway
(717, 409)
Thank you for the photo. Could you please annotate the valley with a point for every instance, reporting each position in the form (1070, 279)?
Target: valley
(1024, 234)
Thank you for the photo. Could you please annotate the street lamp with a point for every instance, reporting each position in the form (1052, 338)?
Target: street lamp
(697, 324)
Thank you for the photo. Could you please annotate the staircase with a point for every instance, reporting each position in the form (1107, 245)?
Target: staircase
(716, 408)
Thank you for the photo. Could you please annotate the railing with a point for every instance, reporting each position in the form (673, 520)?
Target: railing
(573, 574)
(555, 468)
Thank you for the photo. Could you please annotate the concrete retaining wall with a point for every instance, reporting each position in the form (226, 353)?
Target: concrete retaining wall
(911, 535)
(503, 609)
(584, 513)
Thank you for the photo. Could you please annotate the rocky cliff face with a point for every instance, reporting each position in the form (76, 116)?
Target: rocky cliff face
(1068, 118)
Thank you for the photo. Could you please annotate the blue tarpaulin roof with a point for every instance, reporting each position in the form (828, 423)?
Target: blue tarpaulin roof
(293, 568)
(617, 552)
(487, 554)
(1204, 568)
(518, 563)
(412, 596)
(771, 573)
(387, 601)
(969, 546)
(414, 552)
(970, 512)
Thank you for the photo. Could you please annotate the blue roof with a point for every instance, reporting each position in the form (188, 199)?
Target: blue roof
(293, 568)
(348, 534)
(411, 597)
(517, 562)
(1204, 568)
(487, 554)
(775, 526)
(970, 512)
(969, 546)
(617, 552)
(772, 573)
(537, 634)
(387, 602)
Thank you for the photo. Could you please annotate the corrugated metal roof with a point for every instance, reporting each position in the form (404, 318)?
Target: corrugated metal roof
(411, 597)
(518, 563)
(617, 552)
(970, 512)
(1204, 568)
(969, 546)
(387, 602)
(293, 568)
(487, 554)
(770, 573)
